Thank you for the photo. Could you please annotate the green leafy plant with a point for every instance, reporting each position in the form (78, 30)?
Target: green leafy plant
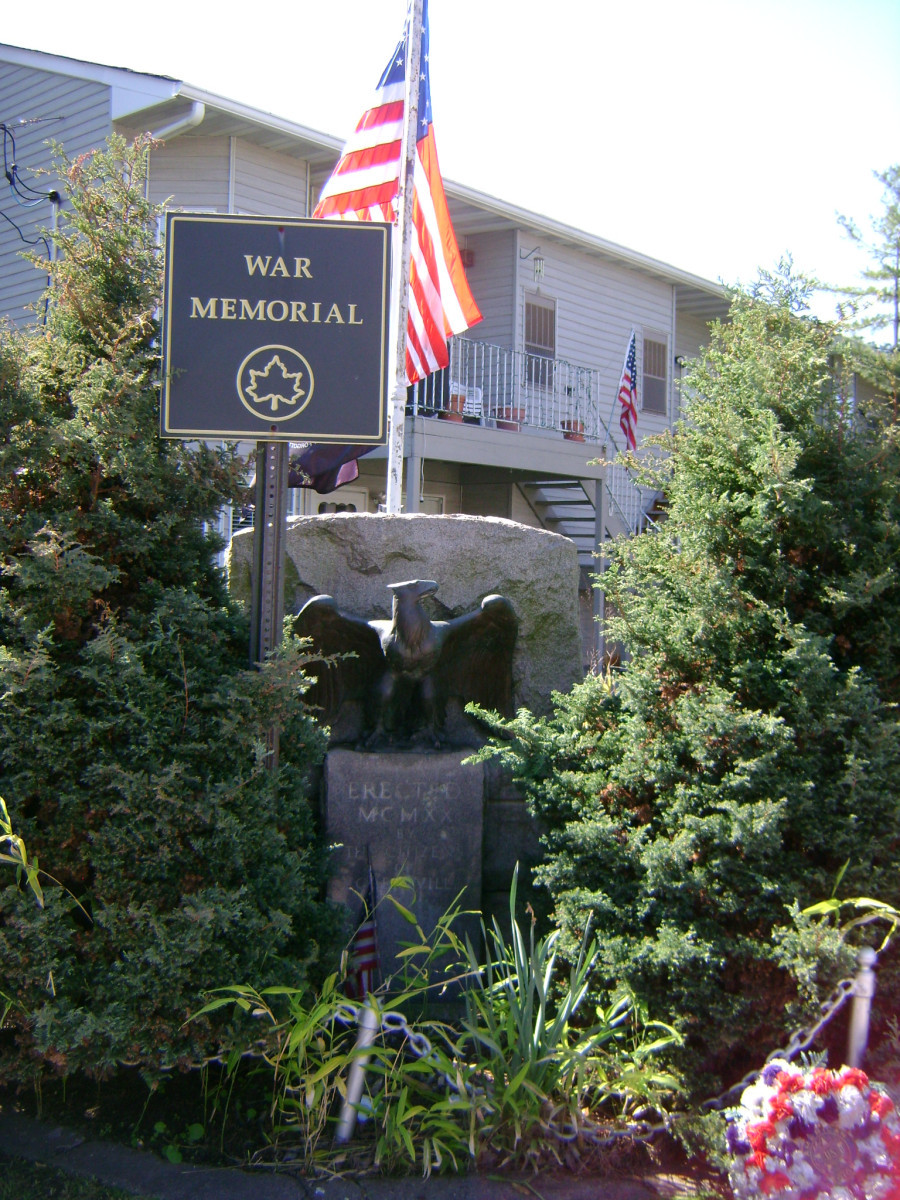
(16, 854)
(869, 912)
(525, 1077)
(308, 1041)
(552, 1067)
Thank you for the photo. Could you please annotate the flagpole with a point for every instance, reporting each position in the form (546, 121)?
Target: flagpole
(400, 307)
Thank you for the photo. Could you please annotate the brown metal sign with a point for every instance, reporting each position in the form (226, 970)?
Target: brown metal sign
(275, 329)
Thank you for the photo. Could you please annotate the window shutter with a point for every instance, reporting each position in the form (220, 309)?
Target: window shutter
(654, 393)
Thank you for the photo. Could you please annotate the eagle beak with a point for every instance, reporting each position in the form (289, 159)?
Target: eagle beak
(416, 587)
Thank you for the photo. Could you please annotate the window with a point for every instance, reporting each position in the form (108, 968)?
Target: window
(540, 328)
(654, 394)
(540, 340)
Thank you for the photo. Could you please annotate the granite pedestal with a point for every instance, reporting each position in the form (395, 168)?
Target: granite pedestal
(412, 814)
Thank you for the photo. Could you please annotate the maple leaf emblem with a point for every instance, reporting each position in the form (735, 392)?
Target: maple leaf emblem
(275, 384)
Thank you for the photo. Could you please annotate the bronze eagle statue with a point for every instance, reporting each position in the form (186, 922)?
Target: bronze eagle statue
(384, 682)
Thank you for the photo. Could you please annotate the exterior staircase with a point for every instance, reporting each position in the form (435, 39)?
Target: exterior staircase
(567, 506)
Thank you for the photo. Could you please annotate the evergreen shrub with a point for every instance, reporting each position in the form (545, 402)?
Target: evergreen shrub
(132, 729)
(748, 747)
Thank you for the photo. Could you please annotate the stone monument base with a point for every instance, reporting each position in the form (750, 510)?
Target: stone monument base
(412, 814)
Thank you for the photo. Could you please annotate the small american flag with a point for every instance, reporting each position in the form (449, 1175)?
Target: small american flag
(365, 185)
(365, 962)
(628, 395)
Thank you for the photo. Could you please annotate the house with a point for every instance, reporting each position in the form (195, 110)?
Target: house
(515, 426)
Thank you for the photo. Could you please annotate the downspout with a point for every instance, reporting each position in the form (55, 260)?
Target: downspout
(182, 124)
(166, 132)
(230, 175)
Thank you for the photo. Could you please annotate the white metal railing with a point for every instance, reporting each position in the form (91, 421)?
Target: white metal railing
(626, 500)
(492, 384)
(495, 385)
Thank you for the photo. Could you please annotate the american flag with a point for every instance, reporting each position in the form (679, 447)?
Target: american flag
(365, 962)
(365, 185)
(628, 395)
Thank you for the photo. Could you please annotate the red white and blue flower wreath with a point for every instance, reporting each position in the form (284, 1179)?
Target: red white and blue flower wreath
(814, 1135)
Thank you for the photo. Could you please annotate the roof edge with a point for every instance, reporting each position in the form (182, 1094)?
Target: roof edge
(581, 237)
(139, 91)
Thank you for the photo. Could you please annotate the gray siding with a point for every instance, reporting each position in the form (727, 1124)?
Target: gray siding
(223, 174)
(690, 334)
(266, 183)
(318, 178)
(191, 172)
(598, 303)
(492, 280)
(83, 108)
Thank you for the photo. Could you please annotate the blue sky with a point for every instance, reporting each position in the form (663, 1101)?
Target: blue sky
(715, 136)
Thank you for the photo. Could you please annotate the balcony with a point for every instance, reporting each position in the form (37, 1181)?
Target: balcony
(490, 385)
(495, 387)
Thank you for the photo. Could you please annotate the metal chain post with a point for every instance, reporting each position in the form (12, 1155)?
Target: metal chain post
(366, 1030)
(863, 991)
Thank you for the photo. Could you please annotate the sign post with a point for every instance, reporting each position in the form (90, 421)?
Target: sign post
(274, 330)
(267, 601)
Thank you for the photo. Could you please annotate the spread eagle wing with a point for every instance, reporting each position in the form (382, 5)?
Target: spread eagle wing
(334, 633)
(476, 656)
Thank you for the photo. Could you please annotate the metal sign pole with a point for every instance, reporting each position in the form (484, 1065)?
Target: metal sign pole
(267, 603)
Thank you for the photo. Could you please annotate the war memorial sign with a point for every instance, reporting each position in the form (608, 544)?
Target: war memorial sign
(275, 329)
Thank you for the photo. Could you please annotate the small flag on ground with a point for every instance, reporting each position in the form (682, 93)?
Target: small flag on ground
(365, 185)
(628, 395)
(364, 965)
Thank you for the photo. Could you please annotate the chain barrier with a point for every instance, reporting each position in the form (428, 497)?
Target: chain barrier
(395, 1022)
(799, 1041)
(637, 1131)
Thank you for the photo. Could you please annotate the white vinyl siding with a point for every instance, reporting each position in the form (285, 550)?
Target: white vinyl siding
(598, 302)
(690, 334)
(318, 177)
(216, 174)
(25, 94)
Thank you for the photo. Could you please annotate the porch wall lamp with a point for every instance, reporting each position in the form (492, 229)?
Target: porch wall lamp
(538, 262)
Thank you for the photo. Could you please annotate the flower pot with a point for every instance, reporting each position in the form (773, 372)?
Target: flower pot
(510, 418)
(454, 409)
(573, 431)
